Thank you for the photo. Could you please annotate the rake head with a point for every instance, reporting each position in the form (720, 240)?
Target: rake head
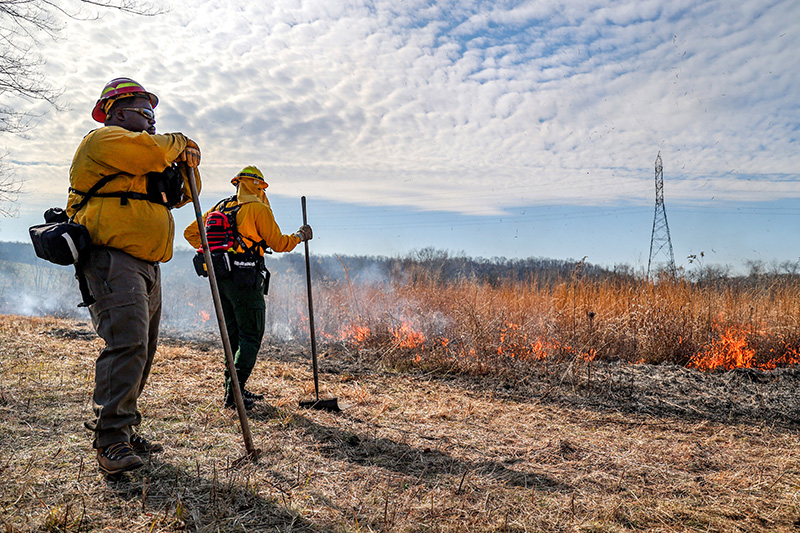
(329, 404)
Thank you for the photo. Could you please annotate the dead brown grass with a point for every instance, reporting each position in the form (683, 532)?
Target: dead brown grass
(411, 452)
(478, 327)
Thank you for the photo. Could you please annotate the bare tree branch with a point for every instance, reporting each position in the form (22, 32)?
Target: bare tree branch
(9, 189)
(22, 24)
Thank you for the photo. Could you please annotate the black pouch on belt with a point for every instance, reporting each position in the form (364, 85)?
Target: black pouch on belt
(223, 265)
(62, 243)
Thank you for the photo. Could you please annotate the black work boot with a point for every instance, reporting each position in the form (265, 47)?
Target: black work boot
(251, 395)
(230, 402)
(117, 458)
(142, 446)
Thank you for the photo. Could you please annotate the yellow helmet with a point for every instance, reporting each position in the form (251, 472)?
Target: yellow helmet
(250, 172)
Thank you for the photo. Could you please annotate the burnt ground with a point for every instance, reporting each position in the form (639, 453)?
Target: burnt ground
(670, 390)
(667, 390)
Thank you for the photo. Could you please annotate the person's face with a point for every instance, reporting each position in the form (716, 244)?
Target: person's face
(135, 114)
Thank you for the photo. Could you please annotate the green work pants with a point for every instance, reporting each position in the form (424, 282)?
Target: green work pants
(244, 309)
(125, 315)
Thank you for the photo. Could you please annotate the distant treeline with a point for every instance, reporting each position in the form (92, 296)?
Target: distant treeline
(442, 266)
(439, 266)
(31, 286)
(18, 252)
(433, 263)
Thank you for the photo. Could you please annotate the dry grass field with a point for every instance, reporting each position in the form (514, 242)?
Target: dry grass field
(429, 439)
(480, 327)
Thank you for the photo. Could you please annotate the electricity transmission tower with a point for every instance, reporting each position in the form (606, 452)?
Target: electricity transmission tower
(660, 243)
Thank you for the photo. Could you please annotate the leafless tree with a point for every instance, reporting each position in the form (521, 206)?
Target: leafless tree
(9, 188)
(22, 24)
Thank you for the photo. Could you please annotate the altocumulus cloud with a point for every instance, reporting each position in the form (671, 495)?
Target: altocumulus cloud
(465, 106)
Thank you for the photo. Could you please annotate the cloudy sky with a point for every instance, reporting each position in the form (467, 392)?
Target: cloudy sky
(496, 128)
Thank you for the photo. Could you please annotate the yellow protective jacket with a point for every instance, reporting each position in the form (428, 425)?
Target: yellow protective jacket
(138, 227)
(254, 221)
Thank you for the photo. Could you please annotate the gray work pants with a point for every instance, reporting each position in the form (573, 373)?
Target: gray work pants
(126, 316)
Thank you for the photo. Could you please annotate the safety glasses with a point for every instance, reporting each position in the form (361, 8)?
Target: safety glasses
(149, 114)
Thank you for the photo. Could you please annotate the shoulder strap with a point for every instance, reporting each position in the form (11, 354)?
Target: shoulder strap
(232, 211)
(92, 191)
(223, 206)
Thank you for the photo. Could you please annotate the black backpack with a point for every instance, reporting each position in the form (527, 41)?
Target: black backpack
(60, 240)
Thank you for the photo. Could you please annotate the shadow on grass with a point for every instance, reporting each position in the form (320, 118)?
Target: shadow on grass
(421, 462)
(227, 500)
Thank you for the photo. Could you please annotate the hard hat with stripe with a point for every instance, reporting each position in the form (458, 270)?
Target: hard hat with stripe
(116, 89)
(250, 172)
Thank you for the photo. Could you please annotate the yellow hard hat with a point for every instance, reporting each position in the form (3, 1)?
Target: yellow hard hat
(250, 172)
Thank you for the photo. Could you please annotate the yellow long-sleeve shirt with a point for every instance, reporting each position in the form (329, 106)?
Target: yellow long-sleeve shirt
(140, 228)
(254, 221)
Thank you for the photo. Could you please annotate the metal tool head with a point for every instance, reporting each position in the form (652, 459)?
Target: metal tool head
(328, 404)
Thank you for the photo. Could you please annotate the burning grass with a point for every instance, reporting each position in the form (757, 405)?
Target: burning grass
(479, 327)
(416, 451)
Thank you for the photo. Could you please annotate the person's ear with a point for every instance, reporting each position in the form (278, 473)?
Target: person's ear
(112, 117)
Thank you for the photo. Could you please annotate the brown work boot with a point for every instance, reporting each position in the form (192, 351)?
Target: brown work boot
(117, 458)
(142, 446)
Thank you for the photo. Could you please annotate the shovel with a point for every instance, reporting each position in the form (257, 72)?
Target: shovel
(329, 404)
(252, 453)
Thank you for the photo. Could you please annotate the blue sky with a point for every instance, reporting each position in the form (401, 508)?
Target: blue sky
(492, 128)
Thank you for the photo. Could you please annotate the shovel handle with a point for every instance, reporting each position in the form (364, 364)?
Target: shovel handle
(223, 330)
(310, 308)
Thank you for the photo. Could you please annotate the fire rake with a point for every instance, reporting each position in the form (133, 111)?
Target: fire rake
(328, 404)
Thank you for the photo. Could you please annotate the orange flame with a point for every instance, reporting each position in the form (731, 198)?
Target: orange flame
(790, 357)
(733, 346)
(403, 336)
(733, 349)
(730, 350)
(356, 333)
(407, 337)
(516, 345)
(204, 316)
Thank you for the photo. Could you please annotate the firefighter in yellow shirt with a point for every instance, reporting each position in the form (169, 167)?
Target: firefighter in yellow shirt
(124, 180)
(243, 285)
